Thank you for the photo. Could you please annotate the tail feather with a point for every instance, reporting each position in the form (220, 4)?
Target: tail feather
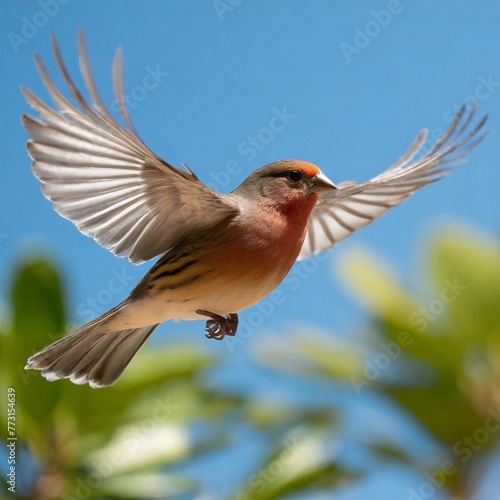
(113, 361)
(54, 351)
(92, 354)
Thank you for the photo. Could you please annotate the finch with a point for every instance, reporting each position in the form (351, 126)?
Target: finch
(220, 253)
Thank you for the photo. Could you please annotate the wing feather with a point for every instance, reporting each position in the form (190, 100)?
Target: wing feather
(352, 206)
(104, 179)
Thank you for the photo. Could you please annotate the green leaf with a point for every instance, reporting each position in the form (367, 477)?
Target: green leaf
(38, 318)
(302, 460)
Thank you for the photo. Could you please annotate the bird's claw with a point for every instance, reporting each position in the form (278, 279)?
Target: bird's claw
(218, 326)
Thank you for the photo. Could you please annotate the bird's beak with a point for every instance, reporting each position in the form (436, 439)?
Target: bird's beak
(320, 183)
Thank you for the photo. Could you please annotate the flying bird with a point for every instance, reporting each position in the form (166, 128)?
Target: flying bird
(219, 253)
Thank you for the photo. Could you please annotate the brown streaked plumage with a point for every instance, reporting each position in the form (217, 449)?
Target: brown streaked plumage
(219, 253)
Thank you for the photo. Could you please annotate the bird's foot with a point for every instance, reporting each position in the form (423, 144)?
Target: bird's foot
(218, 326)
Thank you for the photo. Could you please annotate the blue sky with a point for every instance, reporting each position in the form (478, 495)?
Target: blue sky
(351, 82)
(218, 76)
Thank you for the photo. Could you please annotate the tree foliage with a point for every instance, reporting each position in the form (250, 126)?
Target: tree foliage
(433, 356)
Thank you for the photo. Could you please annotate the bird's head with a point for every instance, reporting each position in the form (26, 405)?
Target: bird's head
(286, 182)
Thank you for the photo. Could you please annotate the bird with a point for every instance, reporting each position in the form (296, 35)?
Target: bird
(218, 253)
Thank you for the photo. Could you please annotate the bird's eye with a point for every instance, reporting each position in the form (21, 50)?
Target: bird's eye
(295, 175)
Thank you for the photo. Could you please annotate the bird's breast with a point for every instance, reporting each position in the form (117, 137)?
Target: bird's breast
(226, 271)
(255, 257)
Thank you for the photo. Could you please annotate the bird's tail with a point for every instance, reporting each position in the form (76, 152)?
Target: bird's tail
(91, 354)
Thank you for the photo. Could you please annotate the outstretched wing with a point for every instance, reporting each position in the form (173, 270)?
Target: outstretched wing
(104, 179)
(353, 206)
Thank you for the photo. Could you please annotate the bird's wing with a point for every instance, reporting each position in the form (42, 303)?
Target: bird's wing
(104, 179)
(352, 206)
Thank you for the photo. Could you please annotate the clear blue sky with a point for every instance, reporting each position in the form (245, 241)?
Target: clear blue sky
(357, 81)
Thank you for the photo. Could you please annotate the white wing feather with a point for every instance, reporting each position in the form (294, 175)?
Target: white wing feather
(352, 206)
(104, 179)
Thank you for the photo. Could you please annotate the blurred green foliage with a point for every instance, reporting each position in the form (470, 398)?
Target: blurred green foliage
(434, 355)
(102, 443)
